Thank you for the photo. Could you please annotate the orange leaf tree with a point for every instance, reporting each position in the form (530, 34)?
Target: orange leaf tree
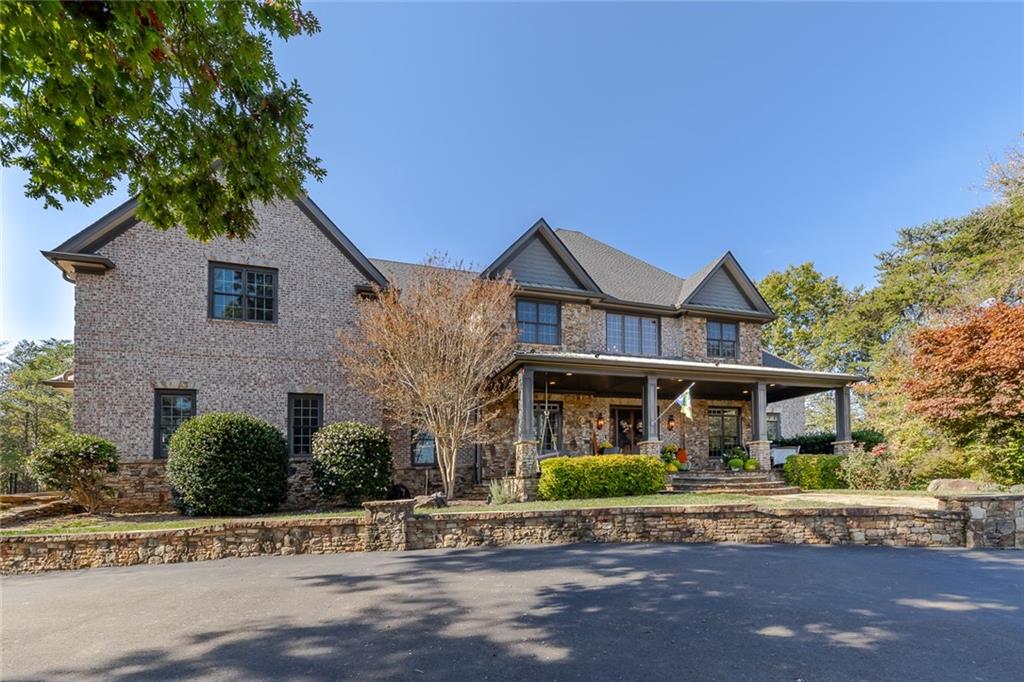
(967, 379)
(428, 350)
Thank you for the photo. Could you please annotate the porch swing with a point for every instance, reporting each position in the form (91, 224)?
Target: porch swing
(546, 432)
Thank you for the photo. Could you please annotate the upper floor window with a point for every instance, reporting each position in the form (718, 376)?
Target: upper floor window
(538, 321)
(242, 293)
(305, 417)
(172, 408)
(424, 450)
(774, 426)
(723, 339)
(631, 334)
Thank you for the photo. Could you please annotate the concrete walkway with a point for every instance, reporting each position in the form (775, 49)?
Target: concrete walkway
(579, 612)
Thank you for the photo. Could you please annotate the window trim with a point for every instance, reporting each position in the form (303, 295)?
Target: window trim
(291, 430)
(245, 269)
(413, 440)
(657, 341)
(707, 338)
(767, 425)
(557, 325)
(157, 395)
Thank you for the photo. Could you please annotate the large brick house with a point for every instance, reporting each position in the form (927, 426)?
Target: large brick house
(167, 327)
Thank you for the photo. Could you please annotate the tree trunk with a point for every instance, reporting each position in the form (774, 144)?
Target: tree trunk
(446, 464)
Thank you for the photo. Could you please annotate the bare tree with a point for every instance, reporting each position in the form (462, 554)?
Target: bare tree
(428, 352)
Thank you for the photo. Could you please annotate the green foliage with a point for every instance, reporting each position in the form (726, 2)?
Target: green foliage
(352, 461)
(503, 490)
(32, 413)
(77, 466)
(227, 464)
(807, 304)
(567, 478)
(668, 453)
(821, 443)
(159, 93)
(735, 463)
(878, 469)
(815, 472)
(751, 465)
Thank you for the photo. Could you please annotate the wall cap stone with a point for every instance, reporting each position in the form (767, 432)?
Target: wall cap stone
(389, 505)
(977, 497)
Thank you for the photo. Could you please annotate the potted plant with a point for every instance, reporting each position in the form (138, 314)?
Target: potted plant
(668, 453)
(751, 465)
(735, 464)
(734, 453)
(606, 448)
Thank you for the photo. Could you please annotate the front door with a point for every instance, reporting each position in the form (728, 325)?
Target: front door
(629, 423)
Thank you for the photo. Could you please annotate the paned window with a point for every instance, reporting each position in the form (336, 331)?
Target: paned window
(723, 339)
(538, 321)
(305, 416)
(172, 408)
(242, 293)
(631, 335)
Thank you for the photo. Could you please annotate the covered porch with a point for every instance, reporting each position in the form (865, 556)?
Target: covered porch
(571, 403)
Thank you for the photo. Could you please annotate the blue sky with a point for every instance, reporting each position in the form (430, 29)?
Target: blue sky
(784, 132)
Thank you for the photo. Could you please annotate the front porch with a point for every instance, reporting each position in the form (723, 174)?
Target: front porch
(572, 403)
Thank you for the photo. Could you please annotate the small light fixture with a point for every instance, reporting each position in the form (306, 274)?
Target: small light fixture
(600, 421)
(771, 384)
(671, 423)
(569, 374)
(745, 391)
(679, 381)
(551, 383)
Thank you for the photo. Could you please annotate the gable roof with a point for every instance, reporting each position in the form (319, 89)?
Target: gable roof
(725, 273)
(79, 251)
(399, 273)
(561, 271)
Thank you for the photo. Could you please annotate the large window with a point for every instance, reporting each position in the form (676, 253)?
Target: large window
(631, 334)
(305, 416)
(547, 424)
(723, 339)
(242, 293)
(537, 321)
(723, 429)
(424, 450)
(172, 407)
(774, 426)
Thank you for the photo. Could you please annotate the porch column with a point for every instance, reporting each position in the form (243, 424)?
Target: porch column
(527, 466)
(760, 446)
(843, 444)
(651, 444)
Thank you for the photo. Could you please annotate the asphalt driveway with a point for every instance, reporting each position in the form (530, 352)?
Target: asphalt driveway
(580, 612)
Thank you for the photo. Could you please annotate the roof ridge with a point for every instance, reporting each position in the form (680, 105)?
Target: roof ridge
(624, 253)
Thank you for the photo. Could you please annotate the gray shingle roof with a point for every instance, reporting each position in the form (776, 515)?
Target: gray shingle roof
(773, 360)
(621, 275)
(398, 273)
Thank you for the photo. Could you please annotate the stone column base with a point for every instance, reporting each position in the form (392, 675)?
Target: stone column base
(842, 447)
(761, 450)
(527, 469)
(650, 447)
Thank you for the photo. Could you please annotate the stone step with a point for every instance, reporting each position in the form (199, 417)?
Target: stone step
(782, 490)
(723, 474)
(734, 486)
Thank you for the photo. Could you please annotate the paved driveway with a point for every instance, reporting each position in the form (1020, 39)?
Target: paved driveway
(581, 612)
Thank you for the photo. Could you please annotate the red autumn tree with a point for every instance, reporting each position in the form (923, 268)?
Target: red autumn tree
(970, 373)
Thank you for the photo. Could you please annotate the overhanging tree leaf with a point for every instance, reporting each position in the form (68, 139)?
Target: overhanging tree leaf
(181, 99)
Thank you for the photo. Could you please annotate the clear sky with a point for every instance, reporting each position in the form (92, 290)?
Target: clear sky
(784, 132)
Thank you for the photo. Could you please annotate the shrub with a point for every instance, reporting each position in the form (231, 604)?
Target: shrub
(76, 465)
(566, 478)
(735, 463)
(878, 469)
(227, 464)
(503, 490)
(821, 443)
(671, 467)
(352, 461)
(815, 472)
(751, 465)
(668, 452)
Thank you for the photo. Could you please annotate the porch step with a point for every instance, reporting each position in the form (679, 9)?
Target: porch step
(744, 483)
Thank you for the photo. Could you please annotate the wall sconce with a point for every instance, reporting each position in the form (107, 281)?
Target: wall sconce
(600, 421)
(671, 423)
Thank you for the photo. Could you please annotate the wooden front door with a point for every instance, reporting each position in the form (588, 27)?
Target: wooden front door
(628, 428)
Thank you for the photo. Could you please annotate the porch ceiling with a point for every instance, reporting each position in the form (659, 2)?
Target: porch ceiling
(616, 386)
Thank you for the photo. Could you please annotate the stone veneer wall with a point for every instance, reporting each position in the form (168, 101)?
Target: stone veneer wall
(392, 526)
(993, 520)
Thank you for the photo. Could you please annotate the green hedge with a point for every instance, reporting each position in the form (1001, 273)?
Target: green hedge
(821, 443)
(352, 461)
(815, 472)
(227, 464)
(573, 478)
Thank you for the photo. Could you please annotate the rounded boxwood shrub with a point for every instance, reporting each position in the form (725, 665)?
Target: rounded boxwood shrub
(735, 463)
(751, 465)
(568, 478)
(76, 465)
(227, 464)
(352, 461)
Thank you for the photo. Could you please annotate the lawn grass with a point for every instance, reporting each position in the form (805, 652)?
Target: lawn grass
(126, 523)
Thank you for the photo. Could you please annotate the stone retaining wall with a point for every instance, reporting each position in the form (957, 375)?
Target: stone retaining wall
(994, 519)
(393, 526)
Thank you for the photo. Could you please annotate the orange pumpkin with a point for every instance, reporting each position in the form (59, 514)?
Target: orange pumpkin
(681, 456)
